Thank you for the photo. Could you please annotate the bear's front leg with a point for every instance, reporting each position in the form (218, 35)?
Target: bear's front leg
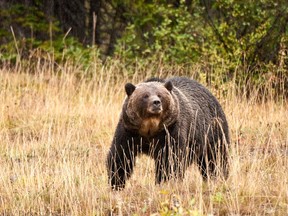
(171, 167)
(162, 167)
(120, 163)
(171, 160)
(165, 164)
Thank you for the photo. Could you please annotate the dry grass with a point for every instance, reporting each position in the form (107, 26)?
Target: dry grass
(56, 129)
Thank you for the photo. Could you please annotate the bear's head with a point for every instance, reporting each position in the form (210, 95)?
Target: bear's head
(149, 107)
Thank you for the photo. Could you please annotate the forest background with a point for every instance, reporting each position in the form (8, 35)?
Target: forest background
(228, 39)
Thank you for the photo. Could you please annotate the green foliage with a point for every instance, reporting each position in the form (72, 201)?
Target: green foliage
(69, 49)
(229, 39)
(26, 29)
(232, 30)
(232, 39)
(19, 21)
(161, 30)
(252, 35)
(244, 25)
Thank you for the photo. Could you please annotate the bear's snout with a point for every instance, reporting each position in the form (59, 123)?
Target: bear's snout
(155, 105)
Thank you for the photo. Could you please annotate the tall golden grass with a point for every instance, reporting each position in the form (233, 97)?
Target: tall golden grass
(56, 127)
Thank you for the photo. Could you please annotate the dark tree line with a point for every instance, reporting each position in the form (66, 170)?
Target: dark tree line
(97, 22)
(102, 22)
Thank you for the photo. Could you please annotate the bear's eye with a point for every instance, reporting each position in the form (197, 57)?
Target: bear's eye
(145, 96)
(159, 96)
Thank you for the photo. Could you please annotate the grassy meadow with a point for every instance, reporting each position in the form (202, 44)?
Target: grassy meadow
(56, 127)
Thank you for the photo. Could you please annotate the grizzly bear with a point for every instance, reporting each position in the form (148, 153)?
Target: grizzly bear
(175, 121)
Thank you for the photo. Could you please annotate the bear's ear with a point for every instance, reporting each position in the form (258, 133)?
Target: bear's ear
(129, 88)
(168, 85)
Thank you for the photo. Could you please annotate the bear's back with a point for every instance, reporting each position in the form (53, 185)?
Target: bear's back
(199, 99)
(196, 93)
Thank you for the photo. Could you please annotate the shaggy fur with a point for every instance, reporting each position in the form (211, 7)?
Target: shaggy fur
(175, 121)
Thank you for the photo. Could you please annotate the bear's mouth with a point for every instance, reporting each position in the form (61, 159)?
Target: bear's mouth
(155, 110)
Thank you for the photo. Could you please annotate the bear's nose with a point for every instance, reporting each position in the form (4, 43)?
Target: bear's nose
(156, 102)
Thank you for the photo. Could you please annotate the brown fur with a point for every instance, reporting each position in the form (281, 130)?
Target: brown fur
(137, 113)
(149, 126)
(175, 121)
